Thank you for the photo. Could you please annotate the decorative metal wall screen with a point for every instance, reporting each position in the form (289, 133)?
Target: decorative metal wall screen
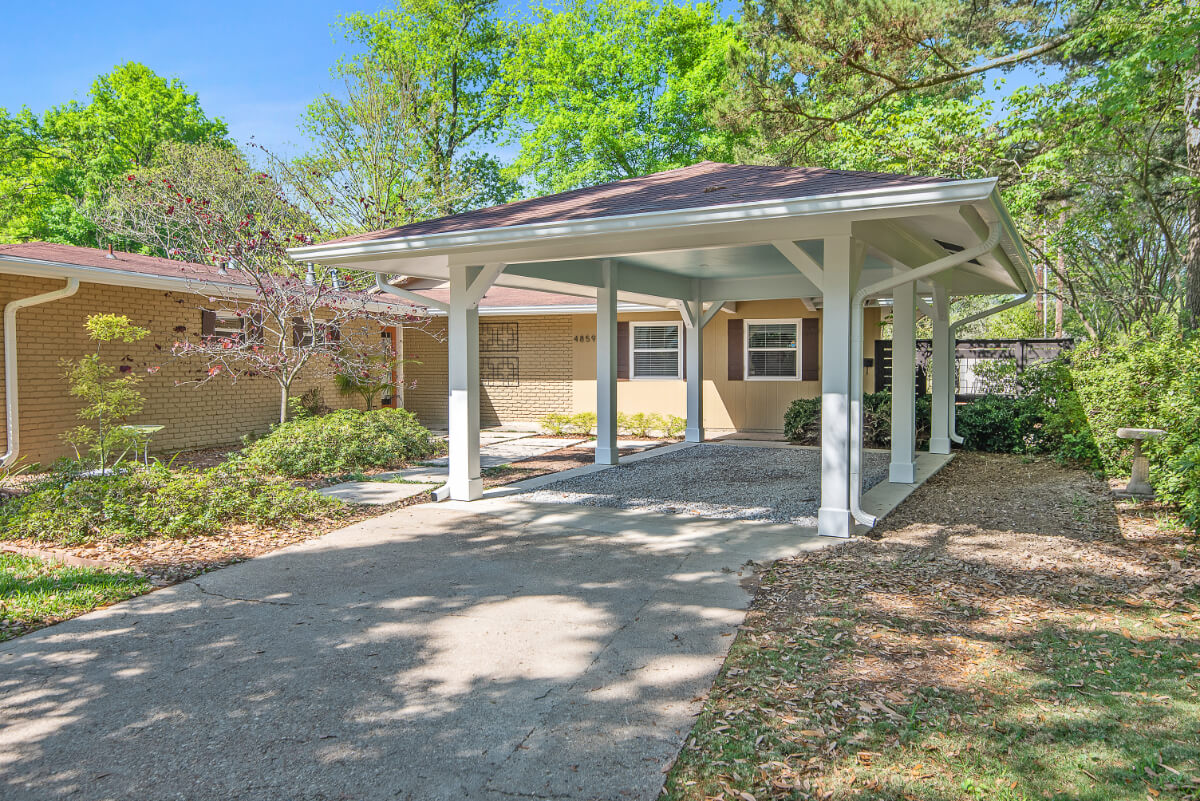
(499, 370)
(497, 337)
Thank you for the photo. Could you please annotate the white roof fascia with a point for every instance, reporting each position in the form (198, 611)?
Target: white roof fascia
(969, 191)
(537, 311)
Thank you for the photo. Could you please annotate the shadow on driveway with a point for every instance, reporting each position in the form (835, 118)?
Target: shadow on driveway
(432, 653)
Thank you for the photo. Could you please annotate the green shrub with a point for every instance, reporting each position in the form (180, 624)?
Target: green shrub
(640, 424)
(341, 442)
(802, 420)
(556, 424)
(997, 424)
(157, 502)
(1150, 380)
(673, 426)
(582, 423)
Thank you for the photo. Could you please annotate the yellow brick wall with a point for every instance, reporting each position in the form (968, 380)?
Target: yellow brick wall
(216, 413)
(544, 361)
(558, 372)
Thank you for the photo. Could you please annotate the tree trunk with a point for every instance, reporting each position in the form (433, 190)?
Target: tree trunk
(283, 399)
(1191, 111)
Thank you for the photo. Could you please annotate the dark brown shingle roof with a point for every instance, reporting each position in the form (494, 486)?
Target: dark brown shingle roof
(121, 262)
(699, 186)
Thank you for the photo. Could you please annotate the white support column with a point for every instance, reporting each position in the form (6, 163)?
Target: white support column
(606, 365)
(839, 279)
(904, 392)
(464, 483)
(942, 392)
(694, 334)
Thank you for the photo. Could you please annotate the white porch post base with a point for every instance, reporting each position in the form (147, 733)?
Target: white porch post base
(464, 483)
(606, 366)
(942, 391)
(902, 469)
(834, 522)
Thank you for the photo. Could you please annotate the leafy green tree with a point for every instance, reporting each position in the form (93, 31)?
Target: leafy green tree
(55, 167)
(1103, 181)
(806, 70)
(421, 103)
(610, 90)
(109, 400)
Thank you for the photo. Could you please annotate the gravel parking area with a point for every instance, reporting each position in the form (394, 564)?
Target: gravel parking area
(723, 481)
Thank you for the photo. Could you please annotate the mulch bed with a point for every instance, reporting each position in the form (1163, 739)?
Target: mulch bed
(165, 561)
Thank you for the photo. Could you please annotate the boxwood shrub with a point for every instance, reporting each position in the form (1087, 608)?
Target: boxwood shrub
(155, 501)
(340, 442)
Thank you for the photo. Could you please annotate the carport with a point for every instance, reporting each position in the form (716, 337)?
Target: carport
(704, 236)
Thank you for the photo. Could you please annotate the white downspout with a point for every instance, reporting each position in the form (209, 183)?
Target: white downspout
(988, 312)
(856, 352)
(410, 296)
(12, 411)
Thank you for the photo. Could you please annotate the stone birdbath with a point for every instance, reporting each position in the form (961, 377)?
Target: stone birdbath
(1139, 477)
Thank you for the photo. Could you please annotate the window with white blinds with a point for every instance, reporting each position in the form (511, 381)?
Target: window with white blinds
(655, 350)
(773, 349)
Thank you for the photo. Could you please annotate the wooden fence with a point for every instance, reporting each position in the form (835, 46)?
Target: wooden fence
(969, 354)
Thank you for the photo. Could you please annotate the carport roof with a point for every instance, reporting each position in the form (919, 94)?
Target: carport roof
(730, 232)
(700, 185)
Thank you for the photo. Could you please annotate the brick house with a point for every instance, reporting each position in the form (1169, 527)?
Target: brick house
(537, 356)
(159, 294)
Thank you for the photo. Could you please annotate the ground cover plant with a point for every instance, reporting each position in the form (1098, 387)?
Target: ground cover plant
(1005, 634)
(139, 503)
(342, 442)
(34, 593)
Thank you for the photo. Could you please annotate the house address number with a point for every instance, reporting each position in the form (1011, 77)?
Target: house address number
(585, 337)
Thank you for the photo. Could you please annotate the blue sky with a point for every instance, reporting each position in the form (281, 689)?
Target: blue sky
(255, 65)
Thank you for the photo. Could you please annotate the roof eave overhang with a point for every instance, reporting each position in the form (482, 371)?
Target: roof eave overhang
(41, 268)
(846, 205)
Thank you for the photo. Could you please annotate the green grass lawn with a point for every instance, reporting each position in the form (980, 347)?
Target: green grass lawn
(35, 593)
(1048, 659)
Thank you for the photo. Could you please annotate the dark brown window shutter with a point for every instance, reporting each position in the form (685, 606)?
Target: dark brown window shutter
(737, 353)
(333, 333)
(297, 331)
(810, 349)
(683, 352)
(622, 351)
(208, 323)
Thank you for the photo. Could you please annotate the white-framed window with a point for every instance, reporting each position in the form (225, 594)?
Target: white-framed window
(655, 350)
(772, 350)
(228, 325)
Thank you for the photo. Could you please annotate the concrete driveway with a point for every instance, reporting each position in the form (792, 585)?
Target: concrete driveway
(505, 650)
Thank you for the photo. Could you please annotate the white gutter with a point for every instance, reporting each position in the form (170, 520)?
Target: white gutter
(193, 285)
(12, 412)
(960, 192)
(856, 352)
(953, 334)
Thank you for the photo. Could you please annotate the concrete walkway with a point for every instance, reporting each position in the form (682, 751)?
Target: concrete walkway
(494, 651)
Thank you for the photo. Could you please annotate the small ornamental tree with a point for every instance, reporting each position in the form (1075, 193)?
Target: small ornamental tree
(265, 314)
(109, 399)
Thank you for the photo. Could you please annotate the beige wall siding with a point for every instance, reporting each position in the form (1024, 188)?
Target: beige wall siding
(742, 405)
(538, 348)
(216, 413)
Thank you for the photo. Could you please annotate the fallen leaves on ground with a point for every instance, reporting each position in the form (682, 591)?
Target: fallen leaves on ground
(1001, 636)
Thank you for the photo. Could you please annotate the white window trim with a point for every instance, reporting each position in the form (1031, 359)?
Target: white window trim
(799, 350)
(678, 351)
(227, 331)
